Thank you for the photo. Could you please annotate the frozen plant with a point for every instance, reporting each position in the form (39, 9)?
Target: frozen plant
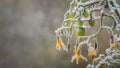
(85, 14)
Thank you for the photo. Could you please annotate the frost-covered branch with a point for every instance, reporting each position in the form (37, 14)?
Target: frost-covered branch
(90, 12)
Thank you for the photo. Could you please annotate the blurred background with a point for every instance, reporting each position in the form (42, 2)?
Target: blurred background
(27, 37)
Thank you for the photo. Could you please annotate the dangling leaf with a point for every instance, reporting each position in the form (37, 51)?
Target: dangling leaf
(70, 15)
(80, 31)
(86, 13)
(118, 45)
(92, 23)
(83, 0)
(73, 4)
(79, 22)
(69, 23)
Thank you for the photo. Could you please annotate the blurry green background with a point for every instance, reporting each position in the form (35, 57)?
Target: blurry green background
(27, 37)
